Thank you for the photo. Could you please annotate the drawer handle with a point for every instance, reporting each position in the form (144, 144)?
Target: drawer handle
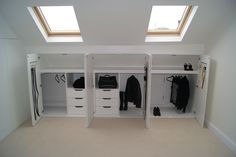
(106, 98)
(106, 90)
(78, 89)
(78, 98)
(106, 106)
(78, 106)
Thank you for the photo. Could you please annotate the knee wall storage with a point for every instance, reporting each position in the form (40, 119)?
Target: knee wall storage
(57, 73)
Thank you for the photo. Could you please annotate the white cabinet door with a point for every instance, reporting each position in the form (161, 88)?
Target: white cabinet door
(201, 90)
(148, 90)
(35, 91)
(89, 88)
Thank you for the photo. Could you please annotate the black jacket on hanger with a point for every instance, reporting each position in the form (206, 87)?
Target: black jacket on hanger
(180, 92)
(133, 92)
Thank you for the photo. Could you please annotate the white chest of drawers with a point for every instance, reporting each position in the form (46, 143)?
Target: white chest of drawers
(107, 102)
(76, 103)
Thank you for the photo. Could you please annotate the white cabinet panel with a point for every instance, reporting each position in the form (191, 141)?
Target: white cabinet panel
(148, 90)
(201, 93)
(89, 86)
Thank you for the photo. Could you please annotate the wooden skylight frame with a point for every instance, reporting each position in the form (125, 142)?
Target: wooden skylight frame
(180, 28)
(46, 27)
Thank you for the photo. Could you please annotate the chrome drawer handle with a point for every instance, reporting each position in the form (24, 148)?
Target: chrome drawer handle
(106, 98)
(79, 98)
(78, 106)
(106, 106)
(106, 90)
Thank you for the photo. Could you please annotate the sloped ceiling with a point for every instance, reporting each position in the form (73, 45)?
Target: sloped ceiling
(118, 22)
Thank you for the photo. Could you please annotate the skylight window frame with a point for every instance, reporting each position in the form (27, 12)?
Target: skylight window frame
(46, 27)
(180, 27)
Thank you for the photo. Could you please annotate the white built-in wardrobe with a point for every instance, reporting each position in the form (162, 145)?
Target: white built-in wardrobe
(51, 78)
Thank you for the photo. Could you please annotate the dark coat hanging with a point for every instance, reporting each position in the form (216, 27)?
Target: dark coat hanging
(133, 92)
(180, 92)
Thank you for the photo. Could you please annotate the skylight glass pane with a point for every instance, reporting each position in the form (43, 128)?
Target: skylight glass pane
(60, 18)
(165, 17)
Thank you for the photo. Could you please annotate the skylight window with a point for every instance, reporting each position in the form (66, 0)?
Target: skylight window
(58, 20)
(168, 19)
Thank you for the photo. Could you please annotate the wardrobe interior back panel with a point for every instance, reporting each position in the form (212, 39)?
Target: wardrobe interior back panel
(54, 93)
(104, 60)
(157, 89)
(62, 61)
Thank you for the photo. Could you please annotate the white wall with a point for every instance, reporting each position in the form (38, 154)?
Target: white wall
(221, 107)
(14, 107)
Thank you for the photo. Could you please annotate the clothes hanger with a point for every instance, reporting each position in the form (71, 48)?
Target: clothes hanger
(63, 78)
(170, 77)
(57, 78)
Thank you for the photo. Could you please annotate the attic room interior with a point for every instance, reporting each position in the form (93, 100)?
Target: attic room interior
(117, 78)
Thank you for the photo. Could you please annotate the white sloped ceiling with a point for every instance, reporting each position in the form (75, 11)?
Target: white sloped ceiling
(116, 22)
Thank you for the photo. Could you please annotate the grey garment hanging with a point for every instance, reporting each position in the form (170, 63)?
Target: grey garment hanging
(35, 92)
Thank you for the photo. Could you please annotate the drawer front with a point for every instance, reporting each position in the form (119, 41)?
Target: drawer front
(76, 102)
(107, 102)
(76, 106)
(79, 110)
(107, 93)
(107, 110)
(73, 92)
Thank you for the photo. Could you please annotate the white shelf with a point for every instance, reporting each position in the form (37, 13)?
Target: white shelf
(171, 112)
(119, 70)
(173, 72)
(61, 70)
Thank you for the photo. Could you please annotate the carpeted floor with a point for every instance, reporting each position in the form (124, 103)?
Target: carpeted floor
(113, 137)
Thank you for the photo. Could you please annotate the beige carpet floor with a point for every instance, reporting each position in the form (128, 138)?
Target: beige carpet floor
(108, 137)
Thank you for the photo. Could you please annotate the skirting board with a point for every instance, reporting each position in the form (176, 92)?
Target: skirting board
(222, 136)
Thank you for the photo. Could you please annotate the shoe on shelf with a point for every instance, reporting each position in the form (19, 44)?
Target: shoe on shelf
(156, 111)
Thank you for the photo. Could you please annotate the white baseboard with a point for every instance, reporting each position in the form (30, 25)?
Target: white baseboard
(222, 136)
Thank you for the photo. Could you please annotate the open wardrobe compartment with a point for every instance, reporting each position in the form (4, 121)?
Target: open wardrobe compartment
(56, 85)
(54, 93)
(119, 85)
(179, 86)
(107, 85)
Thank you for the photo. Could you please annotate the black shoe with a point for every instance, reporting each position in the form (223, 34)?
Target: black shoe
(121, 100)
(190, 67)
(125, 108)
(156, 111)
(185, 66)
